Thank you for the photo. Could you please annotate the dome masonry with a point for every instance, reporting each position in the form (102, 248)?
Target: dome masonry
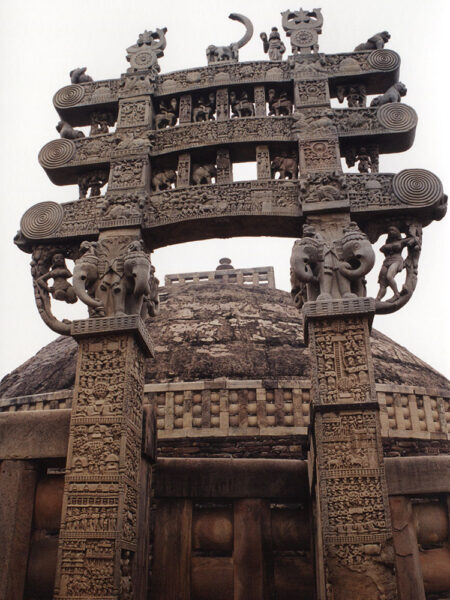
(213, 329)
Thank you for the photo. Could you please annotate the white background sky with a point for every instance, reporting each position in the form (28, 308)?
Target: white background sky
(41, 41)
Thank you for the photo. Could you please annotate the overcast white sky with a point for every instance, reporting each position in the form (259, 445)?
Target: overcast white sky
(40, 42)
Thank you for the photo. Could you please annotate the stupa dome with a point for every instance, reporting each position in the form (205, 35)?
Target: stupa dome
(213, 330)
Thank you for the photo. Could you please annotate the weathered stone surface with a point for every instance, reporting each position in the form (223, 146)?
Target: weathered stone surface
(207, 331)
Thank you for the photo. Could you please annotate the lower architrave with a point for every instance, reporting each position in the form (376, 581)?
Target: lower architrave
(98, 536)
(356, 558)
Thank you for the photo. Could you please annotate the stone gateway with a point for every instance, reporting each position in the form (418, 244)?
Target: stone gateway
(215, 437)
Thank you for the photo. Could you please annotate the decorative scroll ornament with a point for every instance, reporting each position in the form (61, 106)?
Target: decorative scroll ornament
(71, 95)
(42, 220)
(143, 56)
(216, 54)
(397, 117)
(303, 28)
(56, 153)
(417, 187)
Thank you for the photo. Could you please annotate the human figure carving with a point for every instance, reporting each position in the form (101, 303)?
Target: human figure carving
(273, 46)
(241, 107)
(68, 132)
(394, 94)
(61, 288)
(79, 75)
(376, 42)
(167, 115)
(231, 52)
(279, 103)
(204, 109)
(393, 262)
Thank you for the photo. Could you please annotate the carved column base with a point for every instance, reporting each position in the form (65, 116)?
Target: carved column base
(355, 556)
(98, 536)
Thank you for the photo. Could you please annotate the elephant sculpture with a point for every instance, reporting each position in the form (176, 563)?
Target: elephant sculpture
(357, 258)
(163, 180)
(286, 166)
(324, 270)
(111, 279)
(231, 52)
(203, 174)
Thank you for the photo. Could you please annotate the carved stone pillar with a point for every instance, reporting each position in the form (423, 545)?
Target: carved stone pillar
(184, 170)
(260, 101)
(263, 162)
(316, 132)
(224, 166)
(98, 536)
(185, 109)
(353, 525)
(222, 104)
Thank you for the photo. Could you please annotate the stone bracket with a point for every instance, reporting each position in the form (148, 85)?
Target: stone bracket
(106, 325)
(337, 308)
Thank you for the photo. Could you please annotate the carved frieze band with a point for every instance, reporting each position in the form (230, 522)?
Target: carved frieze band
(416, 189)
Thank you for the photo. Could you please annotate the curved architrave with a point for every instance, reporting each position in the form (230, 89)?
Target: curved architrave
(271, 208)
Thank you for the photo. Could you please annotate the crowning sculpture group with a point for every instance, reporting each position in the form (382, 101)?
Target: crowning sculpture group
(168, 167)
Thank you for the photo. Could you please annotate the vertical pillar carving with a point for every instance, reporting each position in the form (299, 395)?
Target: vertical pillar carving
(185, 109)
(135, 112)
(316, 133)
(224, 166)
(355, 530)
(184, 170)
(260, 101)
(98, 536)
(263, 162)
(222, 104)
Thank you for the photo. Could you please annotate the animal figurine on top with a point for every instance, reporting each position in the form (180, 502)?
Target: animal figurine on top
(376, 42)
(79, 76)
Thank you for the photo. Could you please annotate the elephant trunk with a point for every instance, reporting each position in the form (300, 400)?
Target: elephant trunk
(303, 270)
(79, 285)
(359, 264)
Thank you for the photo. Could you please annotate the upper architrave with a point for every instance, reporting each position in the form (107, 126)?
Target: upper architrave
(377, 70)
